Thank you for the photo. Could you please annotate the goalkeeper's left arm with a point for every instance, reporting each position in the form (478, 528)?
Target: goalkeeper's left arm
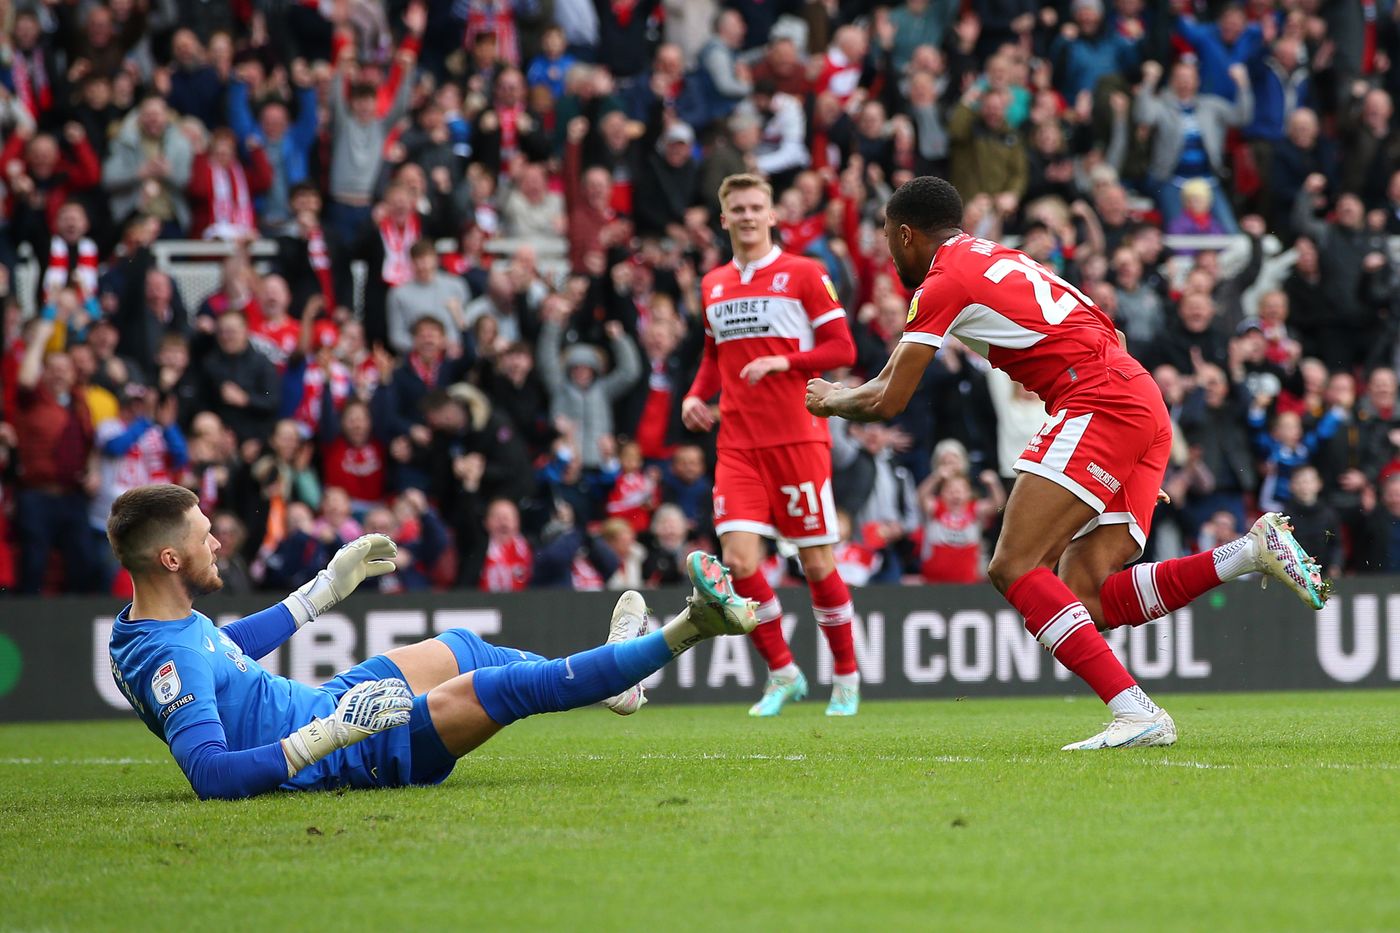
(213, 771)
(263, 632)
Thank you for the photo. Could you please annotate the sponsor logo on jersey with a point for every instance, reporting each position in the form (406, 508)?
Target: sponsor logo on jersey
(1105, 477)
(208, 643)
(913, 304)
(780, 283)
(237, 658)
(187, 698)
(830, 287)
(165, 683)
(717, 291)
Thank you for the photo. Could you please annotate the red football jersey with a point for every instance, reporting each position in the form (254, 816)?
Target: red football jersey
(770, 307)
(1027, 321)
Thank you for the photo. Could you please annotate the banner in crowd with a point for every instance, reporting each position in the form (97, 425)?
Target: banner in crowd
(947, 641)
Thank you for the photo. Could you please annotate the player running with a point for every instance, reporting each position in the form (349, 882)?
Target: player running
(399, 718)
(1088, 479)
(772, 321)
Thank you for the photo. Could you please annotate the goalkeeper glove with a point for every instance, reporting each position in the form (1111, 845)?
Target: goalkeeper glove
(366, 708)
(366, 556)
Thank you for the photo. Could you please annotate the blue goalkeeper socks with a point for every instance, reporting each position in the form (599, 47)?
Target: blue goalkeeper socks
(521, 689)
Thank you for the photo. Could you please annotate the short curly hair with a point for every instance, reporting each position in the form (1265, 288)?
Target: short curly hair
(926, 203)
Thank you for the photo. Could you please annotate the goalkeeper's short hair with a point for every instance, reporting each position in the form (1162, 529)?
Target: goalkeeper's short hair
(145, 519)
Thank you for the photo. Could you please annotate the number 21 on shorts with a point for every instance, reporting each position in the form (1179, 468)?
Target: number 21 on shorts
(795, 494)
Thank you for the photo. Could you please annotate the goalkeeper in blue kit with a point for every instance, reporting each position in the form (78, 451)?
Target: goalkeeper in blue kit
(399, 718)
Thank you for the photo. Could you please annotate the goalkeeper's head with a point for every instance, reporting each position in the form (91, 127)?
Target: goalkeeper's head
(159, 534)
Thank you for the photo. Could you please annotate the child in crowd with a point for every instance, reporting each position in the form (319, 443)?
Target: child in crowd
(949, 542)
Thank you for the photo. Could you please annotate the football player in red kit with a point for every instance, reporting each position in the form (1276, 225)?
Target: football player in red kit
(1088, 480)
(772, 321)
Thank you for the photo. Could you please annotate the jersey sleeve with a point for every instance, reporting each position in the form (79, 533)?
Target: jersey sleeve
(932, 311)
(819, 297)
(180, 691)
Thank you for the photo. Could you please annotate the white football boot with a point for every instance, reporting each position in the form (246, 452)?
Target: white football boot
(629, 620)
(1131, 732)
(1278, 554)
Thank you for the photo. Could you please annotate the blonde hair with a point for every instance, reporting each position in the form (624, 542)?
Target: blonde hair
(742, 182)
(1197, 188)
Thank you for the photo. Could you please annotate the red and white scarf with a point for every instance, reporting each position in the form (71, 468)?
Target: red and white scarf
(315, 384)
(497, 17)
(62, 271)
(398, 268)
(320, 258)
(428, 372)
(32, 82)
(232, 204)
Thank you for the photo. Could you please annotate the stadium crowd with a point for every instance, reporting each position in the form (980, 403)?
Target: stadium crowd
(511, 416)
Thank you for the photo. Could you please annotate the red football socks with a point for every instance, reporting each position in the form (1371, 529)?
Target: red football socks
(1062, 624)
(831, 604)
(767, 637)
(1149, 591)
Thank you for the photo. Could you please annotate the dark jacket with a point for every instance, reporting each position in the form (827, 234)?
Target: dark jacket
(1221, 435)
(255, 374)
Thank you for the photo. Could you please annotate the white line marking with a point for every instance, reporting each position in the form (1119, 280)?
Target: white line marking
(83, 761)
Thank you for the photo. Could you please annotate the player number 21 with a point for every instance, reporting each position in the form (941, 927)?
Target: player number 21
(1040, 278)
(794, 493)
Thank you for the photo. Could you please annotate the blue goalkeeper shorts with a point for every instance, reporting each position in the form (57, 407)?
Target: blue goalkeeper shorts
(412, 754)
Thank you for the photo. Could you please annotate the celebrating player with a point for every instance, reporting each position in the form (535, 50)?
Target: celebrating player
(1088, 480)
(772, 321)
(400, 718)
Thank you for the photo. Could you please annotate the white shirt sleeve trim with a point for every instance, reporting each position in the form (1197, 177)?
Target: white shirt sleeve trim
(832, 315)
(928, 340)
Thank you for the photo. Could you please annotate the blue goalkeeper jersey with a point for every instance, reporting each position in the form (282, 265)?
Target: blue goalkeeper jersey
(197, 690)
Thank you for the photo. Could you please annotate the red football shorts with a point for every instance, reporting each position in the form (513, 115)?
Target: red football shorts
(1109, 447)
(777, 492)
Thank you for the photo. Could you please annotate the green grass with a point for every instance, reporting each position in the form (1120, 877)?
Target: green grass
(1275, 812)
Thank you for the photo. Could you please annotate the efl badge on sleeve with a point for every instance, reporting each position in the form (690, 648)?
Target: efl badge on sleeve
(830, 287)
(913, 306)
(165, 685)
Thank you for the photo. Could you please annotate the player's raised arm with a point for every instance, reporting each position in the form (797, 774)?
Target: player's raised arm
(879, 399)
(366, 556)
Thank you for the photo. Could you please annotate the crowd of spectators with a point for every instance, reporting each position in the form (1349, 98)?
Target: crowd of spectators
(510, 415)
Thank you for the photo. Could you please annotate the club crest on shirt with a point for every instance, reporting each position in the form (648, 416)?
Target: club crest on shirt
(165, 683)
(913, 306)
(717, 291)
(780, 283)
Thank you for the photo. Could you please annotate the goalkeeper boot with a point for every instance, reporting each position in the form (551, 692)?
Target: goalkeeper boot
(629, 620)
(1279, 555)
(1131, 732)
(845, 701)
(714, 607)
(778, 692)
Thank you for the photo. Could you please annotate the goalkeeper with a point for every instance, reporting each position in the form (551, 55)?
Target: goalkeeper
(400, 718)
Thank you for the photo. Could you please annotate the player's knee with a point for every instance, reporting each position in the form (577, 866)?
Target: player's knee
(741, 561)
(817, 563)
(1003, 570)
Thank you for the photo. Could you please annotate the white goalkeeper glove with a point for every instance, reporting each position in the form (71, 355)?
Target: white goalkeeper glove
(366, 708)
(366, 556)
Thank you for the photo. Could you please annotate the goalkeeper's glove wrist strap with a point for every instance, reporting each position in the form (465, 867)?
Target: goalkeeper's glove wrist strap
(308, 745)
(312, 598)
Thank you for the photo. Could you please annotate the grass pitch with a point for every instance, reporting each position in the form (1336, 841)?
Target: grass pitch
(1275, 812)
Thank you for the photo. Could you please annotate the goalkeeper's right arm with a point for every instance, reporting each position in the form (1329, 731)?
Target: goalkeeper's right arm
(217, 773)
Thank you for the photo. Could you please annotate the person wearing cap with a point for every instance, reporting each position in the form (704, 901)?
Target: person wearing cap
(667, 184)
(580, 391)
(142, 444)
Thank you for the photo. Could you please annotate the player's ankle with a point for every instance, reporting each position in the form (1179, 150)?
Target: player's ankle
(681, 633)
